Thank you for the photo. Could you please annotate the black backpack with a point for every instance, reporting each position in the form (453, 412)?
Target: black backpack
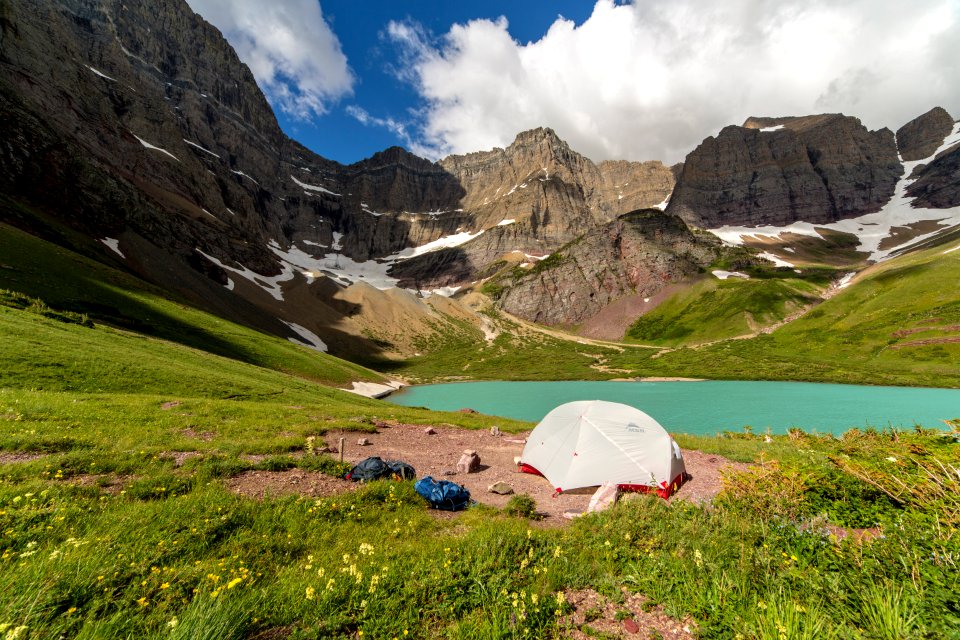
(374, 469)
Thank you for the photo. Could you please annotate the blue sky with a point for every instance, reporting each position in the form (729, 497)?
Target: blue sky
(360, 27)
(640, 80)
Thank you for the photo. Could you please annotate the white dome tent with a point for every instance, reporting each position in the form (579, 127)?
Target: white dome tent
(589, 442)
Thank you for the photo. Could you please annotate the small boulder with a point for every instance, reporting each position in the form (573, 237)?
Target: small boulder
(495, 431)
(500, 488)
(430, 431)
(363, 442)
(469, 462)
(631, 625)
(449, 472)
(468, 410)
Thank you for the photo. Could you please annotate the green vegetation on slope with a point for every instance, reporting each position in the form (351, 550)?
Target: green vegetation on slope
(715, 309)
(897, 325)
(69, 282)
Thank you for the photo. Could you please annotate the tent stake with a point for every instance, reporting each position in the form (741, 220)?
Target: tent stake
(340, 448)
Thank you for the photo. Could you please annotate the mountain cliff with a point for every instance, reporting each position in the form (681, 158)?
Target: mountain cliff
(136, 124)
(639, 253)
(774, 171)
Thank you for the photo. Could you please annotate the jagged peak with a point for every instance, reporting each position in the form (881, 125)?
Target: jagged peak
(394, 156)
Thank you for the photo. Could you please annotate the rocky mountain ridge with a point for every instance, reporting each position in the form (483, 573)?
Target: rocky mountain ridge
(136, 124)
(775, 171)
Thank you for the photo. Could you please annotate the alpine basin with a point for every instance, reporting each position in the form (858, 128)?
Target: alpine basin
(707, 407)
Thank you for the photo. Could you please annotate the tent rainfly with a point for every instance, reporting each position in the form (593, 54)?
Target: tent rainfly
(588, 442)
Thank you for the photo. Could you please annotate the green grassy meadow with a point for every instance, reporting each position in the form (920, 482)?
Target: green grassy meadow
(119, 446)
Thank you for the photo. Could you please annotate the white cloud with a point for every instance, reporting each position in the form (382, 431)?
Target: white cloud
(650, 80)
(289, 47)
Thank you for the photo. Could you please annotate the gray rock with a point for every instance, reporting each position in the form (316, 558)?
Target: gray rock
(500, 488)
(640, 253)
(363, 442)
(495, 431)
(430, 431)
(921, 136)
(819, 169)
(469, 462)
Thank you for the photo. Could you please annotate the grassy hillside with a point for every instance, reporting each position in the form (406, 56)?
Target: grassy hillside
(65, 280)
(896, 324)
(715, 309)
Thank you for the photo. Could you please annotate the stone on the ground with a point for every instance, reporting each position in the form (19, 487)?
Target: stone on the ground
(449, 472)
(429, 431)
(469, 462)
(517, 460)
(363, 442)
(516, 440)
(495, 431)
(631, 625)
(500, 488)
(605, 497)
(468, 410)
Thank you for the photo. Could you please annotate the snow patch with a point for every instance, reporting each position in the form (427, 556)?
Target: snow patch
(723, 275)
(313, 187)
(504, 223)
(445, 292)
(768, 129)
(101, 74)
(154, 147)
(230, 284)
(873, 228)
(454, 240)
(205, 150)
(270, 284)
(774, 259)
(663, 205)
(114, 246)
(310, 339)
(243, 175)
(843, 282)
(374, 390)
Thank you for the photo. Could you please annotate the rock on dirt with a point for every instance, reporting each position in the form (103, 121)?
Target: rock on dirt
(469, 462)
(500, 488)
(430, 431)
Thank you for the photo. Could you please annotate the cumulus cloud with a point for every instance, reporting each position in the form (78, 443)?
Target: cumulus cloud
(291, 50)
(650, 80)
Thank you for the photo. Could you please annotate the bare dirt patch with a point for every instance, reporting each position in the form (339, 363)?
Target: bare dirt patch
(596, 616)
(260, 484)
(20, 456)
(179, 457)
(928, 342)
(190, 432)
(107, 482)
(437, 455)
(166, 406)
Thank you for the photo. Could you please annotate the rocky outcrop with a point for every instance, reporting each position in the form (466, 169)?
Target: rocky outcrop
(938, 183)
(774, 171)
(539, 177)
(639, 253)
(920, 137)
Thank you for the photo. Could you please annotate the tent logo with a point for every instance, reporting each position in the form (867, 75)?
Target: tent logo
(633, 427)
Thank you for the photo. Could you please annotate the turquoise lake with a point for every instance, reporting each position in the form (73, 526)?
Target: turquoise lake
(707, 407)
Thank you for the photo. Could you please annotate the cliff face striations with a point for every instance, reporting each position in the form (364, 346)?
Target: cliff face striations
(774, 171)
(639, 253)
